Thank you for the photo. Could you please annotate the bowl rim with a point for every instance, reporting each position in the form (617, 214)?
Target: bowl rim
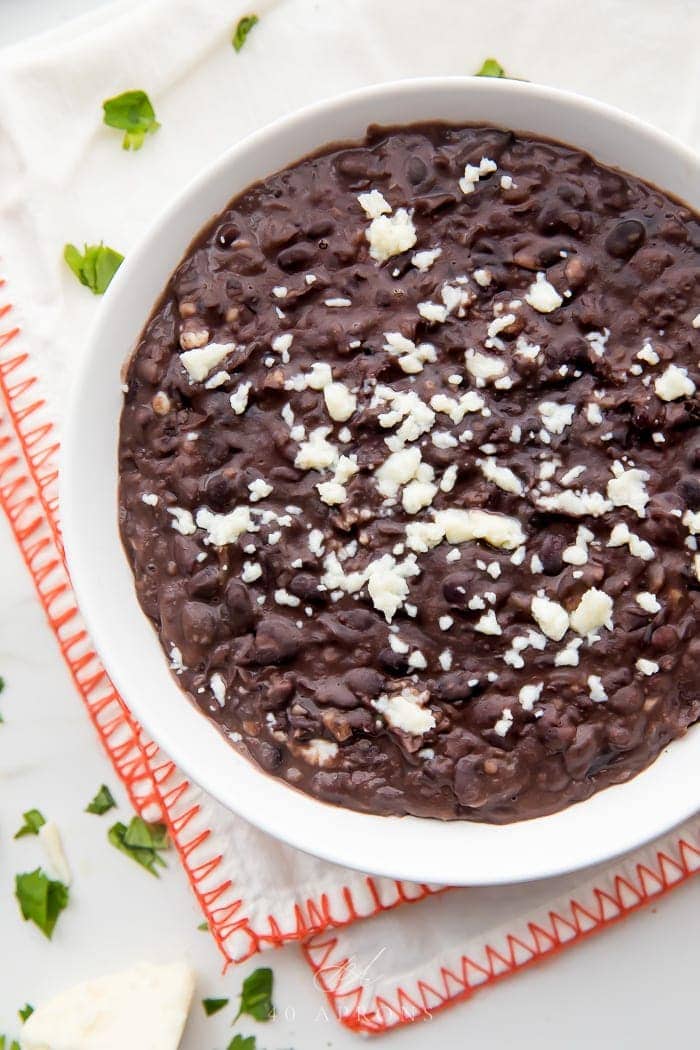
(310, 816)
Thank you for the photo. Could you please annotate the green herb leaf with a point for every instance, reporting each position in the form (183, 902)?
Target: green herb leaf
(41, 899)
(242, 29)
(14, 1045)
(256, 995)
(141, 841)
(212, 1006)
(492, 68)
(26, 1011)
(96, 267)
(33, 820)
(133, 113)
(239, 1042)
(204, 927)
(102, 802)
(2, 686)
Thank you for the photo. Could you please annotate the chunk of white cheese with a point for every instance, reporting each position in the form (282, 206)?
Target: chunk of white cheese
(499, 530)
(543, 296)
(374, 204)
(390, 235)
(674, 383)
(406, 711)
(200, 361)
(144, 1007)
(50, 839)
(551, 617)
(628, 489)
(593, 611)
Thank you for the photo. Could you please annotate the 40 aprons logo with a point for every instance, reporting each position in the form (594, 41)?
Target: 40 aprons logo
(355, 974)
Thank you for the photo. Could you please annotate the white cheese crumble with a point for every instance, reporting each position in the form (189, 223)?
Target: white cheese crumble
(316, 453)
(259, 489)
(594, 610)
(218, 688)
(319, 752)
(578, 503)
(281, 344)
(483, 277)
(150, 499)
(648, 354)
(337, 302)
(425, 259)
(406, 711)
(488, 624)
(568, 656)
(543, 296)
(182, 522)
(457, 408)
(445, 622)
(411, 358)
(390, 235)
(628, 489)
(555, 417)
(239, 398)
(251, 571)
(225, 528)
(200, 361)
(674, 383)
(499, 530)
(502, 477)
(529, 695)
(340, 401)
(596, 690)
(638, 547)
(647, 667)
(484, 367)
(648, 601)
(504, 723)
(50, 839)
(217, 380)
(374, 204)
(433, 312)
(551, 617)
(474, 172)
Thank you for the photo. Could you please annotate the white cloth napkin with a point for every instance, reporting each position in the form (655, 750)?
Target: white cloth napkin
(64, 177)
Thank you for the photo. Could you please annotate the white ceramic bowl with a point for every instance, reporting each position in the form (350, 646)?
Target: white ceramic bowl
(458, 853)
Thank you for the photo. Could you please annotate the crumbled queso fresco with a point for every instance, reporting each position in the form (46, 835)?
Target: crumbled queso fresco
(410, 483)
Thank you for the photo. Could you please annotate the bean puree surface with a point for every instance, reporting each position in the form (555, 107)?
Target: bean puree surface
(409, 473)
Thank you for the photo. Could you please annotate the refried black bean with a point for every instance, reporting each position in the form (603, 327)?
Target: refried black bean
(409, 473)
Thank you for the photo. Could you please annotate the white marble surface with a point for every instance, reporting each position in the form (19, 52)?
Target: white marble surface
(624, 989)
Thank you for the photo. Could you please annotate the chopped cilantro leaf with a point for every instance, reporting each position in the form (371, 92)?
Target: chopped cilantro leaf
(102, 802)
(212, 1006)
(256, 995)
(239, 1042)
(33, 820)
(14, 1045)
(132, 113)
(96, 267)
(41, 899)
(26, 1011)
(204, 927)
(141, 841)
(491, 68)
(241, 31)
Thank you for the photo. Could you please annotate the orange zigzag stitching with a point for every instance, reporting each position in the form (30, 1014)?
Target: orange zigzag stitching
(575, 922)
